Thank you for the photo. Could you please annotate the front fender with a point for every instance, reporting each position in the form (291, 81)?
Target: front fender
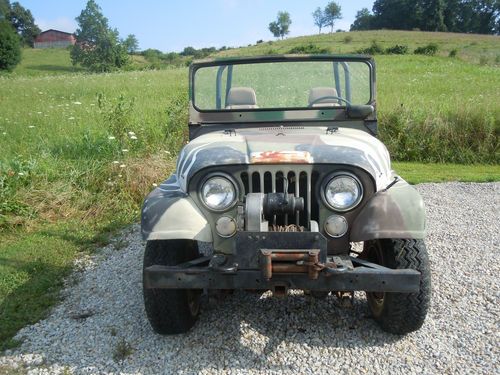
(169, 213)
(395, 213)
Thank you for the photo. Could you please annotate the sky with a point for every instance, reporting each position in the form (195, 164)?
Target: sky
(170, 25)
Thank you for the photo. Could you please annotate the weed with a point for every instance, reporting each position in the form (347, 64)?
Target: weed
(429, 49)
(122, 350)
(348, 39)
(453, 53)
(397, 49)
(116, 114)
(308, 49)
(483, 60)
(120, 244)
(374, 49)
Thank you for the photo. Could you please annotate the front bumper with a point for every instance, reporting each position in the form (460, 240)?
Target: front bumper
(290, 260)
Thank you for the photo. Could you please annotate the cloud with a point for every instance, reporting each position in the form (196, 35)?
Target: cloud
(61, 23)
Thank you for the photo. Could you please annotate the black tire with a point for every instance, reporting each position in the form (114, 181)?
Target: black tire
(171, 311)
(400, 313)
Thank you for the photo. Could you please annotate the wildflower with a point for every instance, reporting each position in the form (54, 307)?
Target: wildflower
(131, 133)
(21, 174)
(77, 103)
(31, 126)
(116, 162)
(119, 175)
(125, 150)
(133, 137)
(122, 165)
(39, 113)
(71, 118)
(41, 93)
(4, 133)
(167, 152)
(155, 185)
(111, 137)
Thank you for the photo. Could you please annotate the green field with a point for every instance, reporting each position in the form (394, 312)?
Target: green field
(80, 151)
(470, 47)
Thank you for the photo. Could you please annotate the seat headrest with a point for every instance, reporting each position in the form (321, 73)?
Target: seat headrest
(320, 92)
(241, 97)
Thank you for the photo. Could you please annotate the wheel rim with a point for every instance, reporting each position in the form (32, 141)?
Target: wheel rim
(376, 300)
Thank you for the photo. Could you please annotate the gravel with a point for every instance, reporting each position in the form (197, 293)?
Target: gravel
(100, 326)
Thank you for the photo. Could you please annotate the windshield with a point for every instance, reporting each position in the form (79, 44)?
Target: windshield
(282, 85)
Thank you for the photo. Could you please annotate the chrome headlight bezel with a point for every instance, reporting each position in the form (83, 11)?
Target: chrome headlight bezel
(337, 175)
(226, 177)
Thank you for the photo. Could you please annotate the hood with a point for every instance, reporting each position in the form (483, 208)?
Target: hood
(285, 145)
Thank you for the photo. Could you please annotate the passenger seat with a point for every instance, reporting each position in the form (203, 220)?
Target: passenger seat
(241, 98)
(321, 92)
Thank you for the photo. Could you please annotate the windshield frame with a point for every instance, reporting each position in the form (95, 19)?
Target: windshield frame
(197, 115)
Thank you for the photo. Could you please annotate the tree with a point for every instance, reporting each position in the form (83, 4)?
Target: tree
(4, 10)
(97, 47)
(396, 14)
(10, 47)
(432, 18)
(332, 12)
(281, 26)
(319, 18)
(24, 23)
(363, 20)
(131, 43)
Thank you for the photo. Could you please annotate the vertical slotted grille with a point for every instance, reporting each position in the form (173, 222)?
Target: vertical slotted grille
(272, 181)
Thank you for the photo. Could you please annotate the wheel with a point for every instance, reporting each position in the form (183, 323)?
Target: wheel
(400, 313)
(171, 311)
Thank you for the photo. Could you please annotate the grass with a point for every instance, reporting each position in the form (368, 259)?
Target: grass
(72, 172)
(417, 173)
(470, 47)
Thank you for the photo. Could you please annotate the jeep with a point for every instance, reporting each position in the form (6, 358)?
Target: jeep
(284, 185)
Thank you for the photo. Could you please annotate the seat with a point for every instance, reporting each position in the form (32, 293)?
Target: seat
(241, 98)
(323, 92)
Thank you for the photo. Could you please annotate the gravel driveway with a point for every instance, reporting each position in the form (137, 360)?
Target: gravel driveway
(100, 326)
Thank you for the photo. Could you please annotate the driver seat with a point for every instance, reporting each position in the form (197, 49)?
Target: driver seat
(241, 98)
(320, 92)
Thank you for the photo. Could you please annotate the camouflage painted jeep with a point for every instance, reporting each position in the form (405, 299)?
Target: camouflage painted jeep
(282, 174)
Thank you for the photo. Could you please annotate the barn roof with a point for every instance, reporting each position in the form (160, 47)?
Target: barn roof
(57, 31)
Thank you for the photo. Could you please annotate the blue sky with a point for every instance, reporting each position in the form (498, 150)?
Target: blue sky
(172, 25)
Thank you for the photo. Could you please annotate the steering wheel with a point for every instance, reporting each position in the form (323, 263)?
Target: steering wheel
(315, 101)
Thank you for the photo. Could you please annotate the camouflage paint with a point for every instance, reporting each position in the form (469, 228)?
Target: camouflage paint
(169, 212)
(395, 213)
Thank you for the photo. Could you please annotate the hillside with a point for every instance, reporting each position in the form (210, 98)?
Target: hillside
(474, 48)
(470, 47)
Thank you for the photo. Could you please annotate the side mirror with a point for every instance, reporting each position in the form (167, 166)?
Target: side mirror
(359, 111)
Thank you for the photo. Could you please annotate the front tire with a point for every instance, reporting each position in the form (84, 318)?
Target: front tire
(400, 313)
(171, 311)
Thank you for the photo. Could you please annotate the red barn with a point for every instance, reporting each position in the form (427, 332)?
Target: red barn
(54, 39)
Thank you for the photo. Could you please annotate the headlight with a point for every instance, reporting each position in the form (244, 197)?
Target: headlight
(343, 192)
(218, 193)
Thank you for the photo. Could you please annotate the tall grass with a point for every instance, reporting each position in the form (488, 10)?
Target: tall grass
(463, 137)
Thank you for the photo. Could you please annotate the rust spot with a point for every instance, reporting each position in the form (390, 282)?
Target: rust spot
(273, 157)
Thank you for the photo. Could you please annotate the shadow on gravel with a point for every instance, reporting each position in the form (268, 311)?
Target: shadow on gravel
(249, 330)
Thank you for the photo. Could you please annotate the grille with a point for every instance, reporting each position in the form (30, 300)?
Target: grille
(271, 179)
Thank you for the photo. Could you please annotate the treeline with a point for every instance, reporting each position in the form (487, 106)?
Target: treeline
(461, 16)
(158, 58)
